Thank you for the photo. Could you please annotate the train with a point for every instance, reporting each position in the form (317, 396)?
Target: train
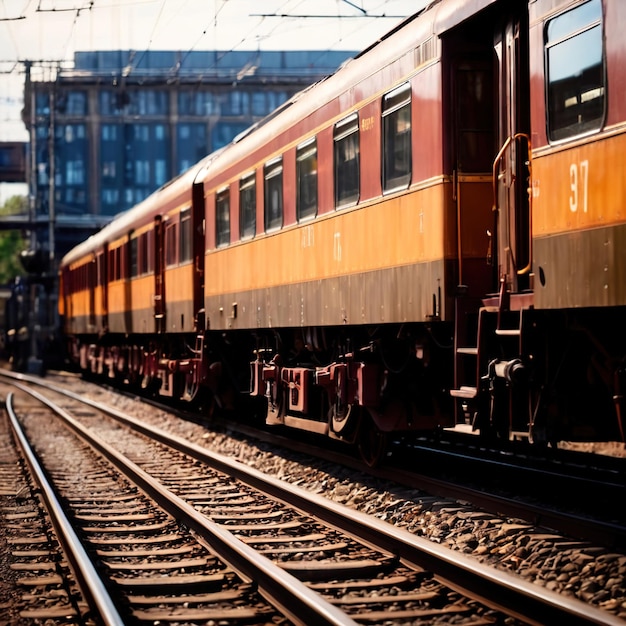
(431, 239)
(30, 339)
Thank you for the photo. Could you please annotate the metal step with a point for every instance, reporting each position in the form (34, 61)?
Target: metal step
(467, 350)
(464, 392)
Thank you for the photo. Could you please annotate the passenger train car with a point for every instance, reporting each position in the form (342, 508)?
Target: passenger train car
(433, 237)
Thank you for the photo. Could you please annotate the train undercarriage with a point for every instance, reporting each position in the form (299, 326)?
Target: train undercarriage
(540, 376)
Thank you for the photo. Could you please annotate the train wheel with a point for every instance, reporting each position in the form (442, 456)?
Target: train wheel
(192, 387)
(344, 422)
(276, 403)
(372, 442)
(340, 417)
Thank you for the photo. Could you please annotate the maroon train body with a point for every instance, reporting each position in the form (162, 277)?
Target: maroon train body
(433, 237)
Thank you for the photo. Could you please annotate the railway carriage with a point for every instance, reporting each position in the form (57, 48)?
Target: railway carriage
(429, 238)
(130, 293)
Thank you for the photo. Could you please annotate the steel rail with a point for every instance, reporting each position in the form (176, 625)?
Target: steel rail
(586, 527)
(284, 590)
(515, 596)
(89, 582)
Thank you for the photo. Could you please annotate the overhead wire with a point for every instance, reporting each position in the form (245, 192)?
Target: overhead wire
(154, 29)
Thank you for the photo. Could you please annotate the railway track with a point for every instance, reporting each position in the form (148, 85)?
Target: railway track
(345, 565)
(44, 582)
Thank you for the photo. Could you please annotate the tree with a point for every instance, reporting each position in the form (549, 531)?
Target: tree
(12, 242)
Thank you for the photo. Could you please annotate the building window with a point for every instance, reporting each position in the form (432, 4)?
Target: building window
(75, 103)
(259, 103)
(224, 132)
(306, 180)
(75, 173)
(191, 144)
(247, 206)
(142, 172)
(575, 71)
(222, 218)
(72, 161)
(42, 104)
(196, 103)
(147, 102)
(346, 156)
(160, 172)
(397, 138)
(273, 194)
(238, 103)
(109, 132)
(185, 236)
(110, 197)
(113, 102)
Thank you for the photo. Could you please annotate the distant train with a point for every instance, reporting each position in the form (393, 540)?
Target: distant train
(29, 335)
(433, 237)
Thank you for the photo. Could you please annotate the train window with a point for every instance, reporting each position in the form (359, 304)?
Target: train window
(100, 273)
(273, 194)
(346, 157)
(575, 71)
(124, 261)
(150, 251)
(247, 206)
(306, 176)
(397, 138)
(117, 263)
(171, 252)
(185, 236)
(142, 254)
(134, 257)
(222, 218)
(474, 117)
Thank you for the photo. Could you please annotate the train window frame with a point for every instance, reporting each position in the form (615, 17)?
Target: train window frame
(117, 256)
(100, 281)
(572, 32)
(143, 254)
(345, 168)
(273, 213)
(306, 180)
(152, 251)
(185, 252)
(134, 257)
(247, 206)
(124, 261)
(222, 217)
(395, 104)
(115, 264)
(171, 244)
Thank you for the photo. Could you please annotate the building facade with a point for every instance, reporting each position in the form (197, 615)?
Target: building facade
(119, 124)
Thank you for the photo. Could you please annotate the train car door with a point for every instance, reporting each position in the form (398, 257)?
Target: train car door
(197, 224)
(471, 147)
(104, 274)
(511, 168)
(91, 281)
(159, 276)
(126, 259)
(487, 71)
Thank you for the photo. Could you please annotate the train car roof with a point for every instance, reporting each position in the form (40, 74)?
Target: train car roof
(437, 18)
(173, 193)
